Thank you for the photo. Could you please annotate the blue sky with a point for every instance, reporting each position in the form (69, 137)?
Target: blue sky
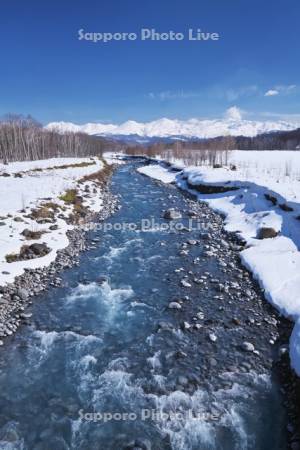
(48, 72)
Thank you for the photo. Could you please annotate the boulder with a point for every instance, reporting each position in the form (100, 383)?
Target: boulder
(39, 249)
(266, 233)
(192, 242)
(29, 234)
(286, 207)
(212, 337)
(247, 347)
(22, 293)
(172, 214)
(26, 315)
(33, 250)
(185, 283)
(175, 305)
(271, 199)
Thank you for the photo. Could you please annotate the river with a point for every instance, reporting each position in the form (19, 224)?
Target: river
(105, 363)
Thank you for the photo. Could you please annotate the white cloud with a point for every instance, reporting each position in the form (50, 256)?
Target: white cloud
(234, 113)
(271, 93)
(173, 95)
(232, 95)
(281, 89)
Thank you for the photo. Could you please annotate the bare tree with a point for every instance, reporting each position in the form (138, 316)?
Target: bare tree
(23, 138)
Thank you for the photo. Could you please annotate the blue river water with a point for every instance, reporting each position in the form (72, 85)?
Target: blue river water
(104, 362)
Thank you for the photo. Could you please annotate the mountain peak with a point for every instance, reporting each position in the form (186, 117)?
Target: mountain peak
(232, 124)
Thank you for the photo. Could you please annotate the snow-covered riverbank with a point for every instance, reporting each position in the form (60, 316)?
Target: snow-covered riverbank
(32, 199)
(267, 195)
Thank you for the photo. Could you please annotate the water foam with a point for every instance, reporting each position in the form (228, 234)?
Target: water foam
(83, 292)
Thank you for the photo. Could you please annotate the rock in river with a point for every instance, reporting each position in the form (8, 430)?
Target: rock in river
(185, 283)
(175, 305)
(247, 347)
(172, 214)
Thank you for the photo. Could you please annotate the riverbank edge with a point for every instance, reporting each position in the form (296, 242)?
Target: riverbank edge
(288, 378)
(18, 295)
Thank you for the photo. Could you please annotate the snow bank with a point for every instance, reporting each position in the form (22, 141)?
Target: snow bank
(274, 262)
(113, 158)
(159, 173)
(24, 166)
(20, 195)
(23, 192)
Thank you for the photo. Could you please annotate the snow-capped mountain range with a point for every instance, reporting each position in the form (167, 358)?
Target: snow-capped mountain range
(232, 124)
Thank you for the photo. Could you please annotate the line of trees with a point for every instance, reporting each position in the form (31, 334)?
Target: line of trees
(282, 140)
(23, 138)
(215, 151)
(187, 152)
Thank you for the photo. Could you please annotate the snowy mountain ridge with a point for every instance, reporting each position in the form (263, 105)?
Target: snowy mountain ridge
(192, 128)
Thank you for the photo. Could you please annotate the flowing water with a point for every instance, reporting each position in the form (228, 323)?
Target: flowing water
(106, 343)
